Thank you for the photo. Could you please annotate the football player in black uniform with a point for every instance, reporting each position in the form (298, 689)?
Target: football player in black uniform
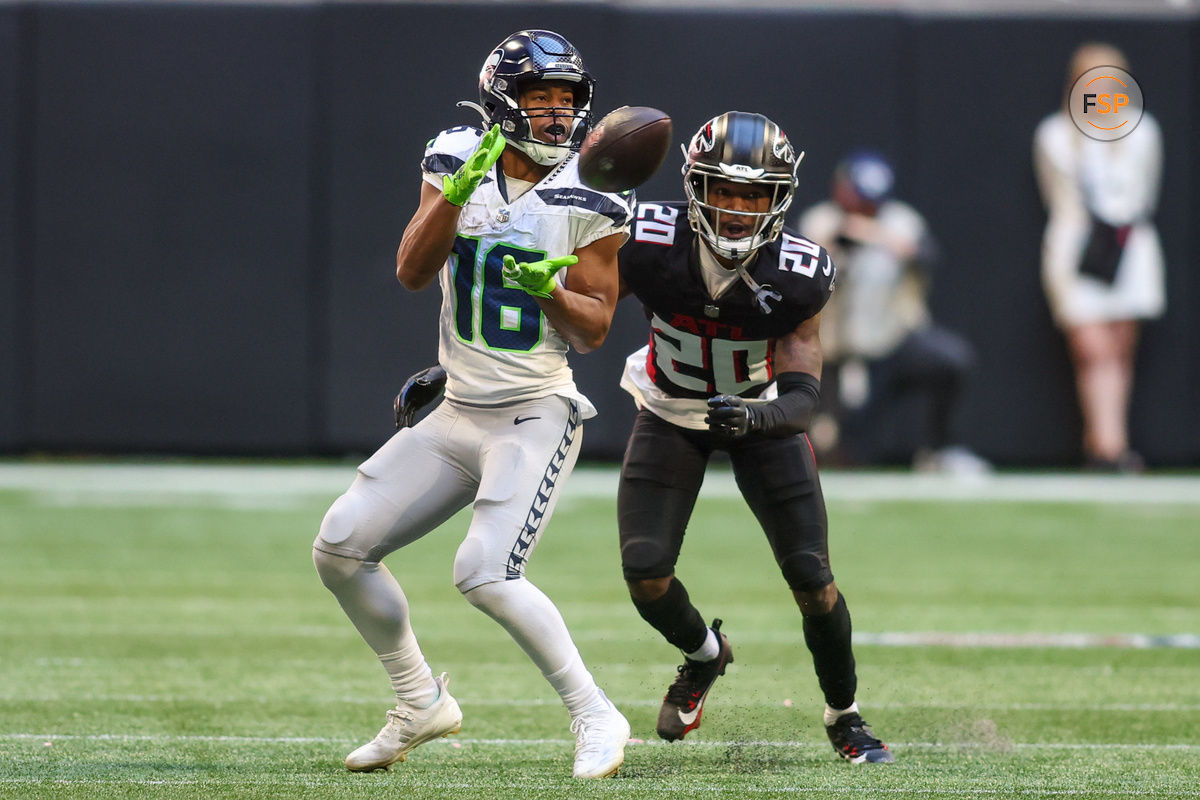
(733, 364)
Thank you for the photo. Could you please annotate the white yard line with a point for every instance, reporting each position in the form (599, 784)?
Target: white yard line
(498, 702)
(506, 742)
(1128, 641)
(413, 781)
(618, 787)
(978, 639)
(254, 485)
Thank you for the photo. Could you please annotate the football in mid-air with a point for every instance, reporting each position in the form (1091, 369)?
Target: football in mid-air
(624, 149)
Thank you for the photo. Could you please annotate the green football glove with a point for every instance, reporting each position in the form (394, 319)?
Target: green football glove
(536, 277)
(458, 187)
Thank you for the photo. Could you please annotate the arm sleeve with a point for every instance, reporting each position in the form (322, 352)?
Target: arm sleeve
(792, 411)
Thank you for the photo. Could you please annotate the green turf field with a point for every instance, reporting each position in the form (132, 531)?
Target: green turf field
(168, 637)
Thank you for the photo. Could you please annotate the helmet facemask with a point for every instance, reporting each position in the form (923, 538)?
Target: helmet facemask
(708, 219)
(515, 123)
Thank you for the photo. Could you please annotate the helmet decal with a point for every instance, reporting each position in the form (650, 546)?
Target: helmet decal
(489, 67)
(782, 148)
(741, 171)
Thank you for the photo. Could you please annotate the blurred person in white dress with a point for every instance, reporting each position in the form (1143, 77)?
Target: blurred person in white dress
(1102, 263)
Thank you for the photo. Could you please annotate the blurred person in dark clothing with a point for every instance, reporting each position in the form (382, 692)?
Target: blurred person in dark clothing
(878, 332)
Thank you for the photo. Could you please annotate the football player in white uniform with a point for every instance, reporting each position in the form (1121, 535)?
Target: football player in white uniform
(527, 262)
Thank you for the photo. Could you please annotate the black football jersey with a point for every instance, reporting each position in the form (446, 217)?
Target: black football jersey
(700, 346)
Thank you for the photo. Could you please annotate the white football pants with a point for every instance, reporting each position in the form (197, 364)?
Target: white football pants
(509, 464)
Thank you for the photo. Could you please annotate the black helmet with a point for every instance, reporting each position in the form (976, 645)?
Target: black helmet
(743, 148)
(532, 56)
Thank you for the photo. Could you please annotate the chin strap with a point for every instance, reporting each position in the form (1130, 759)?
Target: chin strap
(547, 155)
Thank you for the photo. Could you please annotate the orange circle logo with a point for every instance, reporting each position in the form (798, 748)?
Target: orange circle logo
(1105, 103)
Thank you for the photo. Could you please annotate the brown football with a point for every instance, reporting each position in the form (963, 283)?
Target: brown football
(624, 149)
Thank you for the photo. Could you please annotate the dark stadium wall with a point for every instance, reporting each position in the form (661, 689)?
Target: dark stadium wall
(12, 381)
(171, 284)
(215, 193)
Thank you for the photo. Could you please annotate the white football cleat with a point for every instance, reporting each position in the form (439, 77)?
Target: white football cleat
(406, 728)
(600, 738)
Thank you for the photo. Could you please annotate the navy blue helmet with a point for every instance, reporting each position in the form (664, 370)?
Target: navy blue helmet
(527, 56)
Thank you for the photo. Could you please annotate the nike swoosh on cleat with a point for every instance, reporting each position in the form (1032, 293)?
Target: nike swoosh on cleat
(690, 717)
(517, 420)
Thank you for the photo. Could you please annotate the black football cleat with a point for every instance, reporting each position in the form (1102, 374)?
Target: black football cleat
(855, 742)
(684, 703)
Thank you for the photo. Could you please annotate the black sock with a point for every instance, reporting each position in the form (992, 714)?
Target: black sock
(828, 639)
(674, 616)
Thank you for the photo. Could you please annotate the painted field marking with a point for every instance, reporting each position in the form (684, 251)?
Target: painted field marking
(268, 486)
(533, 702)
(1127, 641)
(618, 788)
(505, 742)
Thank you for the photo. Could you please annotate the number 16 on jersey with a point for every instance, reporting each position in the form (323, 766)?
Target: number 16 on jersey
(505, 318)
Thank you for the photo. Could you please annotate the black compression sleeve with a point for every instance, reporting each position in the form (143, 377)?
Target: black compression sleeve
(792, 411)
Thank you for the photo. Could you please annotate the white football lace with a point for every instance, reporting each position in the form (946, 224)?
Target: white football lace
(585, 733)
(579, 728)
(402, 716)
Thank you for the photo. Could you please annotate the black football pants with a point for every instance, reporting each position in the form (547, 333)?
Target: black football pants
(660, 481)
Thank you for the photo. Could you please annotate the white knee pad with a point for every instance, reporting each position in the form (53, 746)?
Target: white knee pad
(342, 518)
(469, 566)
(335, 563)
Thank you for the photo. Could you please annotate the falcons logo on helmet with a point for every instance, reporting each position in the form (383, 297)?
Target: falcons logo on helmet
(781, 148)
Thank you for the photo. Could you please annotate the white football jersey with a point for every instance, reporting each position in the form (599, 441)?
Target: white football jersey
(495, 344)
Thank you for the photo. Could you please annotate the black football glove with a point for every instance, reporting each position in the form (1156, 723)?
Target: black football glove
(731, 416)
(419, 391)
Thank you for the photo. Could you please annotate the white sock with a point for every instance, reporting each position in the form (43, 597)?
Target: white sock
(375, 603)
(709, 650)
(535, 624)
(411, 677)
(832, 714)
(578, 689)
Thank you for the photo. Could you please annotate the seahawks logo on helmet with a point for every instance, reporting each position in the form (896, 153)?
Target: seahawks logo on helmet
(489, 68)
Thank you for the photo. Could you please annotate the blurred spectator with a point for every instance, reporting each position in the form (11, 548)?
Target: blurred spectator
(877, 332)
(1102, 264)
